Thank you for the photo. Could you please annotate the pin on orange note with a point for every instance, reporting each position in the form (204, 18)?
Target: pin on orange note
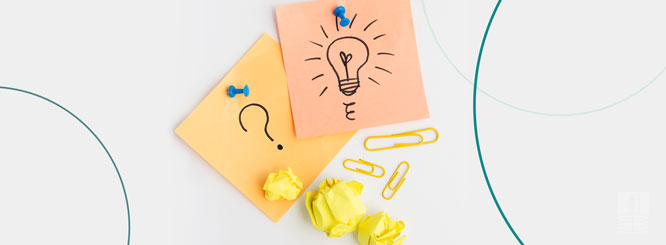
(246, 138)
(361, 75)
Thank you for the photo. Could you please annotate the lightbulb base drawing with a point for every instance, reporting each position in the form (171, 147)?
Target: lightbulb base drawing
(349, 86)
(349, 111)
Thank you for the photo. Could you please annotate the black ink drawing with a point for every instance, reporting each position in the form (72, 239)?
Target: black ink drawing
(347, 65)
(341, 62)
(349, 112)
(240, 120)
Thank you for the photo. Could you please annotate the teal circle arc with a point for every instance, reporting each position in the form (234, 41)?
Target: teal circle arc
(531, 111)
(120, 178)
(476, 131)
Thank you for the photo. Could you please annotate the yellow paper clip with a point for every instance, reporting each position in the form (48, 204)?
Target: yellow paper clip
(366, 163)
(405, 134)
(402, 179)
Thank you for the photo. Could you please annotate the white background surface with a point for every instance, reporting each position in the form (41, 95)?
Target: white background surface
(132, 70)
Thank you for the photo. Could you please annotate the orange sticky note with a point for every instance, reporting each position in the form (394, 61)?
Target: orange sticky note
(246, 138)
(344, 78)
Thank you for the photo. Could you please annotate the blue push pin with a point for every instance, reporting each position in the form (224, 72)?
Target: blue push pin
(340, 12)
(233, 91)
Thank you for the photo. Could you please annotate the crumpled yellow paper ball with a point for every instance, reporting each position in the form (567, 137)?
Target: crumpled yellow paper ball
(379, 229)
(283, 185)
(335, 207)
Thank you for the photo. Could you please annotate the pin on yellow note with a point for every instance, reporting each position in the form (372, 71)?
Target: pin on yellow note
(246, 138)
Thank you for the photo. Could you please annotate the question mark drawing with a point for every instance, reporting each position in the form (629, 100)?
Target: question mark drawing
(279, 146)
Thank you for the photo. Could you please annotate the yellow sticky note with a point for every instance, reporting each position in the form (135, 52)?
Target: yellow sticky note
(335, 208)
(284, 185)
(379, 229)
(246, 138)
(362, 75)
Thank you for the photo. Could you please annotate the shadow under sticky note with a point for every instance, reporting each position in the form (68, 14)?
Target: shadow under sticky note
(246, 138)
(362, 75)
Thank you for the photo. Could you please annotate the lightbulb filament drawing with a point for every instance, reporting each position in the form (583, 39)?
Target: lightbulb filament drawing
(347, 56)
(344, 62)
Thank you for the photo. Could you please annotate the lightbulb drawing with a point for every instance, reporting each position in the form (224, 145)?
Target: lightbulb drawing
(348, 57)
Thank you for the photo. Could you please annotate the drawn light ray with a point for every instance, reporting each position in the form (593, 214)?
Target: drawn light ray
(373, 80)
(317, 76)
(337, 22)
(322, 92)
(366, 27)
(321, 46)
(322, 30)
(313, 58)
(379, 36)
(385, 53)
(352, 21)
(383, 69)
